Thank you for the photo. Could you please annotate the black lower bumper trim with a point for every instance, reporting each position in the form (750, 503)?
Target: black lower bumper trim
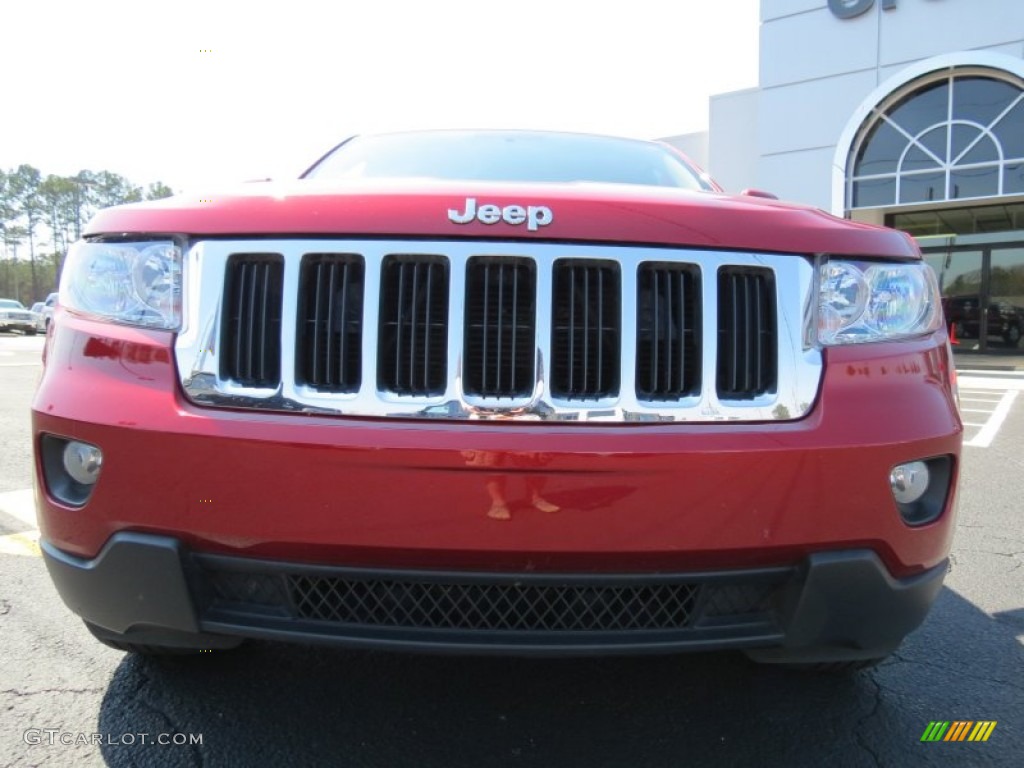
(847, 607)
(137, 579)
(837, 605)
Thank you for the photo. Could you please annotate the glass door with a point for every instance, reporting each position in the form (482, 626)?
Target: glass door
(961, 279)
(1006, 296)
(982, 294)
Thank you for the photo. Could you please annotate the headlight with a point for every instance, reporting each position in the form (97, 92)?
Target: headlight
(864, 301)
(131, 283)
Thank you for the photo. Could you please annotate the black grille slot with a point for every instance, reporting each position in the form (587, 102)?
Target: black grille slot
(412, 353)
(668, 331)
(493, 606)
(500, 322)
(251, 328)
(739, 599)
(585, 338)
(330, 338)
(747, 343)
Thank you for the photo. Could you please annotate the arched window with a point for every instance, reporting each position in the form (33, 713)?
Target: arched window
(953, 137)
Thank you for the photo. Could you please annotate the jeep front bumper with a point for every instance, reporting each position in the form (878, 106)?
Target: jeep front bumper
(833, 605)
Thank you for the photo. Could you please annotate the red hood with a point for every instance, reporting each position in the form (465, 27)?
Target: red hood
(580, 212)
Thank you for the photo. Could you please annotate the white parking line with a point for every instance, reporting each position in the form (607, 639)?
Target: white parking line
(988, 432)
(20, 505)
(987, 394)
(987, 383)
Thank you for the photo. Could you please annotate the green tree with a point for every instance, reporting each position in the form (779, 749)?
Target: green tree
(61, 215)
(24, 183)
(32, 207)
(110, 189)
(9, 229)
(84, 202)
(158, 190)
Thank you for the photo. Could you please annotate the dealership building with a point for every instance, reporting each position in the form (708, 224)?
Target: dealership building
(908, 113)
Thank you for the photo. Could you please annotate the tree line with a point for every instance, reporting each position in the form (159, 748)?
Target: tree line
(41, 216)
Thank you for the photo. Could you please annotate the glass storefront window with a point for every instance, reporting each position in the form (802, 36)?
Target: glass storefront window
(1011, 131)
(874, 192)
(982, 99)
(1006, 295)
(966, 129)
(968, 220)
(882, 150)
(918, 159)
(1013, 179)
(982, 294)
(921, 187)
(974, 182)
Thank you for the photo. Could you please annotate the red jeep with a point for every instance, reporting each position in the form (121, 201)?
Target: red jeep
(498, 392)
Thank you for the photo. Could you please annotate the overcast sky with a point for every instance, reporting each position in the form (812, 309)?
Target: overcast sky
(198, 93)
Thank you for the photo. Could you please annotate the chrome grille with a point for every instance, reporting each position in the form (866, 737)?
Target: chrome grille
(668, 331)
(251, 341)
(330, 327)
(412, 357)
(468, 330)
(500, 327)
(746, 327)
(585, 342)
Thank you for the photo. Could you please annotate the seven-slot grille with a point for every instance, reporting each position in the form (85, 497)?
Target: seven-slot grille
(578, 333)
(587, 329)
(412, 357)
(499, 336)
(746, 328)
(329, 347)
(668, 329)
(251, 340)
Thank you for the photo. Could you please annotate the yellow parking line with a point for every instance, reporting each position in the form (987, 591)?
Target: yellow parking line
(25, 544)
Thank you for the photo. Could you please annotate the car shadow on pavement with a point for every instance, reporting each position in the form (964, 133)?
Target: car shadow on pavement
(269, 704)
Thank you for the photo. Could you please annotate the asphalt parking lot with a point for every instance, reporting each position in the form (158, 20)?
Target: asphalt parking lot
(69, 701)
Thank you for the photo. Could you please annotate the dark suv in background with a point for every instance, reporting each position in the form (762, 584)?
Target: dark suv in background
(1004, 319)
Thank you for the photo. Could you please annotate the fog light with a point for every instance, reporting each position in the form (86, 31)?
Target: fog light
(909, 482)
(82, 461)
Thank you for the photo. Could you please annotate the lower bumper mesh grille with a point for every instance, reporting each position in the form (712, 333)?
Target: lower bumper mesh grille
(493, 606)
(502, 603)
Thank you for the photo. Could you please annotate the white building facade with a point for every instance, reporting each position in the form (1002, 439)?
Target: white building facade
(908, 113)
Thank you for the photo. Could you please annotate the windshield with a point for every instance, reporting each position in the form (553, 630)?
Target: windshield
(508, 156)
(11, 304)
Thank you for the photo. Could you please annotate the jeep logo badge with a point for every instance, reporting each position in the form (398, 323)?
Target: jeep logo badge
(534, 216)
